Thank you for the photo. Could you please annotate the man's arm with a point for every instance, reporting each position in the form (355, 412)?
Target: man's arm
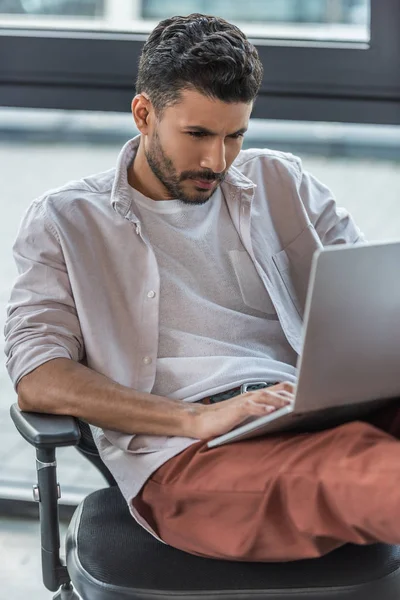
(63, 386)
(333, 223)
(44, 345)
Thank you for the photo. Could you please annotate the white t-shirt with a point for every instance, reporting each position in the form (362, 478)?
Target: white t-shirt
(218, 327)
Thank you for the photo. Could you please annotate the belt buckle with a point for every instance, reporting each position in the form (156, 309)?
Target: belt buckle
(244, 387)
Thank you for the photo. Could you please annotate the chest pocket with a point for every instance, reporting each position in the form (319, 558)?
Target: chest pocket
(294, 264)
(253, 292)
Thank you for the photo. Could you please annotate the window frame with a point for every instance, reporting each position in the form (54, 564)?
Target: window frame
(326, 81)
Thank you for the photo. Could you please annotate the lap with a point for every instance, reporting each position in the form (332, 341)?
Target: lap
(234, 501)
(247, 464)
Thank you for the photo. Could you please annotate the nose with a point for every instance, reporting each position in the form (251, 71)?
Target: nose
(214, 157)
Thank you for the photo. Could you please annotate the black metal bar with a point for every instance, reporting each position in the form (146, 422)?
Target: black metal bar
(54, 572)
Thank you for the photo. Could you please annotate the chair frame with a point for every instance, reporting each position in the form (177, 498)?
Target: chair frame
(46, 433)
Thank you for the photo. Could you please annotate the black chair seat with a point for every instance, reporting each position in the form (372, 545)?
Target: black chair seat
(110, 557)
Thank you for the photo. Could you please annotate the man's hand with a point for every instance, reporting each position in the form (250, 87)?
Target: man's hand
(212, 420)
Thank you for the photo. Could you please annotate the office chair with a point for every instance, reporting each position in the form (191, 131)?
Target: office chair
(110, 557)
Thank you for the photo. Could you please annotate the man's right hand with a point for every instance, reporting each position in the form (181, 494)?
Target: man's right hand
(211, 420)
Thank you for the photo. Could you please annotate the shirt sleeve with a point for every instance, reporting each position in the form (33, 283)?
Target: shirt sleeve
(333, 224)
(42, 322)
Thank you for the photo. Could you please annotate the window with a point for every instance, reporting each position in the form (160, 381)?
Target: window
(328, 60)
(356, 161)
(331, 68)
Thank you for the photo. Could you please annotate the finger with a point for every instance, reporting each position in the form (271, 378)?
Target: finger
(278, 398)
(284, 385)
(283, 394)
(259, 408)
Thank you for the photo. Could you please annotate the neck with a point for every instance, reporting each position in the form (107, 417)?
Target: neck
(142, 178)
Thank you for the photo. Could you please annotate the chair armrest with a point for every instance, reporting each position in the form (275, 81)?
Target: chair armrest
(43, 430)
(47, 432)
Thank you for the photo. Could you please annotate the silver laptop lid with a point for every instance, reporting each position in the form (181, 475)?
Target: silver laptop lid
(352, 324)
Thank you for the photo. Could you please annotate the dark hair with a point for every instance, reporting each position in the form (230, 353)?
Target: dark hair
(198, 52)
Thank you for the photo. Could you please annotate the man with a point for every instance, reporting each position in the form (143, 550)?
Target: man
(149, 293)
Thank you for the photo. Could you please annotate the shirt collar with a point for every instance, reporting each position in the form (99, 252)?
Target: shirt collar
(237, 179)
(121, 196)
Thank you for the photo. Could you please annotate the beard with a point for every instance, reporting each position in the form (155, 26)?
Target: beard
(163, 168)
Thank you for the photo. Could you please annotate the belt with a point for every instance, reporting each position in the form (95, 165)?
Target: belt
(241, 389)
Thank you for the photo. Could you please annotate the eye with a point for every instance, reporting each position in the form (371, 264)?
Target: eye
(236, 136)
(197, 134)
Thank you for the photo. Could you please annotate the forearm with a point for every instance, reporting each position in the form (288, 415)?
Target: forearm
(63, 386)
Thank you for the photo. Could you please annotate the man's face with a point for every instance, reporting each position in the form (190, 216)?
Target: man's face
(191, 147)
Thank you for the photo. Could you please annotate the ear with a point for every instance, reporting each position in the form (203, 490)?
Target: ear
(141, 110)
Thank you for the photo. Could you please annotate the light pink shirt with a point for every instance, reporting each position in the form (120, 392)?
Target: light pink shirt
(88, 285)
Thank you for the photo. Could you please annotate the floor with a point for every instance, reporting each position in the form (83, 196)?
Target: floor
(20, 566)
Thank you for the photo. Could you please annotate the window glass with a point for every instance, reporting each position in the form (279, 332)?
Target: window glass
(303, 19)
(284, 11)
(63, 8)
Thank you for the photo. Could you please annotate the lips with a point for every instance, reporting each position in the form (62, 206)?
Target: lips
(204, 184)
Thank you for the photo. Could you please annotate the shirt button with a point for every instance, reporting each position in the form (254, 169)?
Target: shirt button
(151, 294)
(147, 360)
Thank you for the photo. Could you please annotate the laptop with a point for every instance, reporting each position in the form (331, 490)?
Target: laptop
(350, 359)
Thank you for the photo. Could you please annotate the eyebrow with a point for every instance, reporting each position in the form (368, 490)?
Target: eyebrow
(199, 129)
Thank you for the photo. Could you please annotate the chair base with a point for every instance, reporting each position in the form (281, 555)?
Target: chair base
(66, 593)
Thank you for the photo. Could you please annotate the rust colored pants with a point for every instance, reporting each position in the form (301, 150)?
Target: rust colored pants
(282, 497)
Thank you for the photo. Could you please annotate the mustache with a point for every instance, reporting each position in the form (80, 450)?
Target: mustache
(203, 175)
